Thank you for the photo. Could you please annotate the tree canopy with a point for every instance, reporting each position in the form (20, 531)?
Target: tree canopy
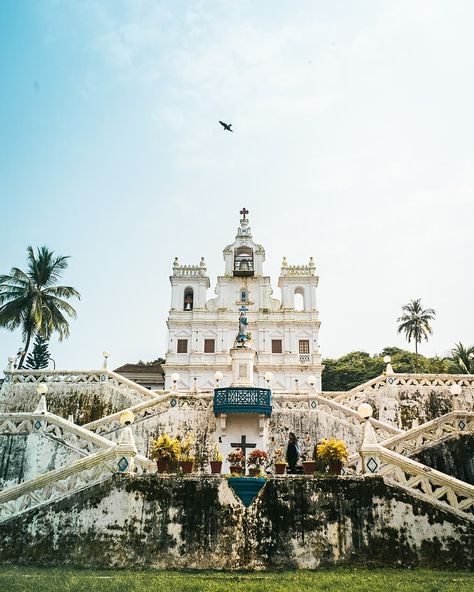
(354, 368)
(33, 302)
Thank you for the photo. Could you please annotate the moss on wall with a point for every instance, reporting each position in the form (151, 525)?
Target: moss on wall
(454, 457)
(197, 522)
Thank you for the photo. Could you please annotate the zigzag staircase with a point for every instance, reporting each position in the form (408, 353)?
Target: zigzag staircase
(102, 458)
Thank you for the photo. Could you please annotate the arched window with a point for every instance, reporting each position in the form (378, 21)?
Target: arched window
(244, 295)
(243, 261)
(298, 302)
(188, 299)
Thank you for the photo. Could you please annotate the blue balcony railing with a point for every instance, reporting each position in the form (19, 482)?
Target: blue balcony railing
(243, 400)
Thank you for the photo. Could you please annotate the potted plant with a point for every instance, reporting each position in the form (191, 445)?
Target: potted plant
(280, 462)
(309, 466)
(186, 460)
(257, 461)
(333, 452)
(236, 461)
(216, 459)
(165, 451)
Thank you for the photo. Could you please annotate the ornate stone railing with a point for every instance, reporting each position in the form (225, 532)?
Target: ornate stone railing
(142, 411)
(297, 270)
(361, 393)
(428, 434)
(431, 433)
(368, 390)
(54, 427)
(189, 271)
(60, 483)
(62, 378)
(331, 407)
(421, 481)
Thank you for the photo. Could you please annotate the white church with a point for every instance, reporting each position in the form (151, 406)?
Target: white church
(280, 348)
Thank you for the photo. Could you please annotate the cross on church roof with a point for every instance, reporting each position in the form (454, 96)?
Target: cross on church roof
(244, 212)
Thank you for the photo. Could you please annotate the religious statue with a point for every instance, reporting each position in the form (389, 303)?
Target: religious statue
(243, 335)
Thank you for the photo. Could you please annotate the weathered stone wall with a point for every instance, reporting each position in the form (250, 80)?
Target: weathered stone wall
(454, 457)
(197, 522)
(24, 457)
(409, 406)
(85, 402)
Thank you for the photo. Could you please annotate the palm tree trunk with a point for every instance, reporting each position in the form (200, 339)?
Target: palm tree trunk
(416, 355)
(25, 350)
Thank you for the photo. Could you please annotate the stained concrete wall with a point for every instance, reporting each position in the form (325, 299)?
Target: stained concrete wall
(454, 457)
(197, 522)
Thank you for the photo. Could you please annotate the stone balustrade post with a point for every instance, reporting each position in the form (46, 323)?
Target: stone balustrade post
(370, 451)
(125, 451)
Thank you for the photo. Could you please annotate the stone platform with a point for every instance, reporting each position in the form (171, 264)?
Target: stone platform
(197, 522)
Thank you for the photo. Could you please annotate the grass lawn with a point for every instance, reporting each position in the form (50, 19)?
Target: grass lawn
(24, 579)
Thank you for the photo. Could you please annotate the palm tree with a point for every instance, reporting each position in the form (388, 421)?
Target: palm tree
(31, 300)
(415, 322)
(463, 358)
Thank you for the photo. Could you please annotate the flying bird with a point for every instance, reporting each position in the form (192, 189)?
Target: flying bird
(226, 126)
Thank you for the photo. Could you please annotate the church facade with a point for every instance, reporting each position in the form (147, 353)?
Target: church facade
(279, 347)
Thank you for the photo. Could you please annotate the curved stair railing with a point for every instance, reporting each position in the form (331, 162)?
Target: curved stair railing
(421, 481)
(335, 409)
(365, 392)
(63, 378)
(423, 436)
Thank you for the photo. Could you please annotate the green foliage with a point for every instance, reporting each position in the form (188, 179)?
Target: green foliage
(31, 579)
(350, 370)
(165, 448)
(31, 300)
(355, 368)
(415, 322)
(462, 359)
(39, 358)
(152, 363)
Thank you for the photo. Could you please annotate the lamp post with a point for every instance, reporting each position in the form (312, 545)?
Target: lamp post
(125, 449)
(175, 378)
(456, 390)
(41, 390)
(370, 449)
(388, 367)
(218, 376)
(106, 355)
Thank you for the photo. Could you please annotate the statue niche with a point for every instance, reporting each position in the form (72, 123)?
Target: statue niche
(243, 262)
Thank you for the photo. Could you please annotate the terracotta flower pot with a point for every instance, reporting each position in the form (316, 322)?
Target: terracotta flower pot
(335, 467)
(235, 470)
(254, 471)
(163, 466)
(187, 466)
(280, 468)
(216, 466)
(309, 466)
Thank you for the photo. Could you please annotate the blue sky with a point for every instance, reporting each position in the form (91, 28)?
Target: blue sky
(353, 143)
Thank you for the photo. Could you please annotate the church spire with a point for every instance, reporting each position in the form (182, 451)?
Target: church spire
(244, 228)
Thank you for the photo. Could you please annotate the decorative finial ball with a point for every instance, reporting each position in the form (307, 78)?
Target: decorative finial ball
(455, 390)
(268, 376)
(218, 376)
(41, 389)
(175, 377)
(365, 411)
(106, 354)
(11, 359)
(126, 417)
(312, 380)
(387, 359)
